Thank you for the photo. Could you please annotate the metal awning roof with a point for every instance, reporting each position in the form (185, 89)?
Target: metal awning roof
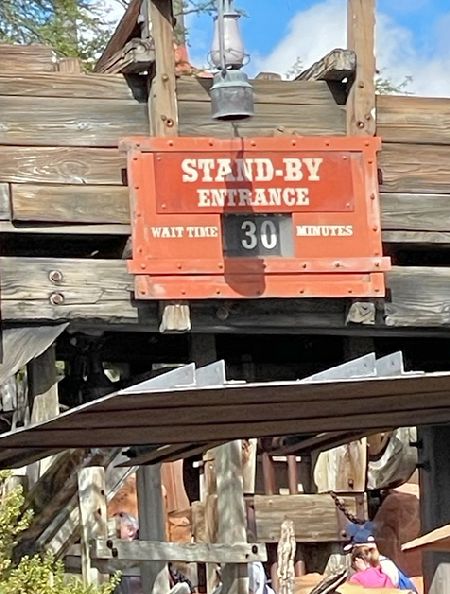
(152, 413)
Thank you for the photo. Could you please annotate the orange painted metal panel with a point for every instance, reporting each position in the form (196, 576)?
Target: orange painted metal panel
(262, 217)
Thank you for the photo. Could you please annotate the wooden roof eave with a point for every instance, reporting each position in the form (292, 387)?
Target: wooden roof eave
(127, 28)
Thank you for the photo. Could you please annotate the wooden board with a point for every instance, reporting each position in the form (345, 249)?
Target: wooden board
(26, 58)
(195, 120)
(415, 168)
(79, 86)
(419, 120)
(5, 206)
(46, 121)
(69, 203)
(315, 517)
(100, 290)
(266, 91)
(56, 165)
(421, 212)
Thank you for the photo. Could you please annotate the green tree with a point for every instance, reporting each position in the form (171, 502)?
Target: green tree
(37, 574)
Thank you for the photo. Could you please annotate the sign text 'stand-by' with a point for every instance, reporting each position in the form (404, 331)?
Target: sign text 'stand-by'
(233, 172)
(218, 182)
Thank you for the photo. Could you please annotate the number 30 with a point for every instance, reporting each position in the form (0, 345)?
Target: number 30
(268, 235)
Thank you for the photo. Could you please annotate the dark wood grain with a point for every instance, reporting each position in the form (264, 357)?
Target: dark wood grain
(61, 165)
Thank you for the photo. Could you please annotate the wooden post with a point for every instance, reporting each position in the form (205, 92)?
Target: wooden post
(43, 401)
(93, 519)
(155, 574)
(286, 557)
(434, 480)
(163, 117)
(361, 39)
(231, 512)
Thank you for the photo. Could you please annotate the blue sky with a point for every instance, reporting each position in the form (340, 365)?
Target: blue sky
(413, 37)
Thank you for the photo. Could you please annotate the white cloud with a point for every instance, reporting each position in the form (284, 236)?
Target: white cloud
(314, 32)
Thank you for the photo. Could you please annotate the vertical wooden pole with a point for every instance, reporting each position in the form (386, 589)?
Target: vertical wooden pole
(155, 574)
(434, 480)
(231, 512)
(285, 560)
(43, 401)
(163, 117)
(361, 119)
(93, 518)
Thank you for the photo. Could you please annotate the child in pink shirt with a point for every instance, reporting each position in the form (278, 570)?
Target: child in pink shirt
(368, 573)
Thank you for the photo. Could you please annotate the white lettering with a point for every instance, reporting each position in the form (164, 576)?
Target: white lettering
(302, 196)
(190, 173)
(202, 232)
(313, 166)
(207, 165)
(203, 198)
(264, 170)
(293, 168)
(324, 230)
(167, 232)
(224, 170)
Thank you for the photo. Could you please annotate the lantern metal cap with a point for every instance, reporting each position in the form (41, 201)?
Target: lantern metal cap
(231, 96)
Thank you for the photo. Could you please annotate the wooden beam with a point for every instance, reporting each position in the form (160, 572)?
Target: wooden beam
(26, 58)
(125, 30)
(61, 165)
(138, 55)
(77, 86)
(141, 550)
(315, 517)
(361, 40)
(91, 492)
(69, 65)
(231, 511)
(45, 121)
(338, 65)
(154, 574)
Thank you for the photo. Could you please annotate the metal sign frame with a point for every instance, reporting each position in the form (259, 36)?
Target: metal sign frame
(182, 189)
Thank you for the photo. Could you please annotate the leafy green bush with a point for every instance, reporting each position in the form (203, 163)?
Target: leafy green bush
(37, 574)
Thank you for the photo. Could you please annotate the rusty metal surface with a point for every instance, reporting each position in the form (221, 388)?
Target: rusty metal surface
(186, 193)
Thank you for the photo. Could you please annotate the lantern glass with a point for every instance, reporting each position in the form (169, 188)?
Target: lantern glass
(233, 44)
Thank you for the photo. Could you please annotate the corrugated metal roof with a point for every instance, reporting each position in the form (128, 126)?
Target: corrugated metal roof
(190, 414)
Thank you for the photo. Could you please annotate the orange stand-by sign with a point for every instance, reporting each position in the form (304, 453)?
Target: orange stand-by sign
(261, 217)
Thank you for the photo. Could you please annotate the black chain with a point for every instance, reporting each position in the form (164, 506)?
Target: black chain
(341, 507)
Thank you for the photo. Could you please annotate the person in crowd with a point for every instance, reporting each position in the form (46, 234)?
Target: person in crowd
(361, 536)
(365, 562)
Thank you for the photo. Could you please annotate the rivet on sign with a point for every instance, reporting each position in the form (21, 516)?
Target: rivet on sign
(170, 143)
(372, 196)
(143, 266)
(56, 298)
(179, 266)
(211, 143)
(253, 143)
(301, 292)
(370, 161)
(304, 265)
(337, 264)
(377, 264)
(220, 266)
(377, 290)
(135, 158)
(163, 206)
(136, 187)
(375, 228)
(294, 143)
(350, 291)
(55, 276)
(217, 292)
(183, 292)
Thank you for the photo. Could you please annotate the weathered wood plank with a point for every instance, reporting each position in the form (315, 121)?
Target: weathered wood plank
(419, 169)
(266, 91)
(422, 237)
(415, 212)
(61, 165)
(188, 552)
(79, 86)
(336, 65)
(420, 297)
(101, 290)
(56, 229)
(5, 205)
(315, 517)
(195, 120)
(69, 203)
(27, 58)
(418, 120)
(45, 121)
